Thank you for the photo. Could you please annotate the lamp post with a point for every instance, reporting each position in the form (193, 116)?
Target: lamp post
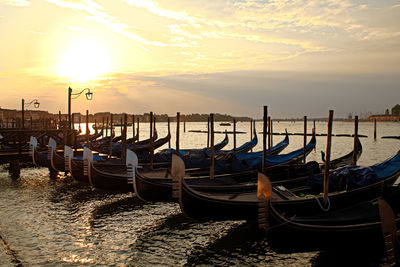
(89, 96)
(36, 105)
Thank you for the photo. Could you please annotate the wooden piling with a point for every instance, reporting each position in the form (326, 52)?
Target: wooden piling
(374, 129)
(265, 124)
(251, 132)
(212, 146)
(272, 132)
(123, 133)
(305, 139)
(111, 134)
(169, 132)
(184, 125)
(87, 127)
(107, 126)
(79, 122)
(327, 158)
(208, 132)
(151, 124)
(152, 144)
(121, 127)
(15, 168)
(102, 127)
(133, 127)
(269, 134)
(138, 123)
(354, 159)
(234, 135)
(59, 119)
(177, 132)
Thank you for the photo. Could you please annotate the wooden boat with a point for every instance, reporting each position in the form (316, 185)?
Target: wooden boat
(156, 185)
(39, 156)
(92, 137)
(305, 199)
(294, 169)
(198, 151)
(346, 159)
(366, 223)
(78, 165)
(112, 174)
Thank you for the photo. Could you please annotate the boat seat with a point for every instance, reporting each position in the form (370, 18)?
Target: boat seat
(284, 192)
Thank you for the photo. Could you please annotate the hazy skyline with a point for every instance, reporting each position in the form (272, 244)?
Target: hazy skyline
(231, 57)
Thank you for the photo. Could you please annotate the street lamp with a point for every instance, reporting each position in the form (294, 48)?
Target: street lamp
(89, 96)
(36, 104)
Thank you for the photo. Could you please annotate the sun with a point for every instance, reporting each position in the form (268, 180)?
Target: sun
(84, 61)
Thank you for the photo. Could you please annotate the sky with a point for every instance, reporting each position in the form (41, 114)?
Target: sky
(298, 57)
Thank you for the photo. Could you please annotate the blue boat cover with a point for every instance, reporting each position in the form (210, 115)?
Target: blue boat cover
(352, 177)
(273, 160)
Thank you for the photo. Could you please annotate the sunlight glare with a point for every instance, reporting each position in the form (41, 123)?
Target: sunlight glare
(85, 61)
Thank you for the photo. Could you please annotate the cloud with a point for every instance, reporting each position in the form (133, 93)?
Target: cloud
(18, 3)
(77, 29)
(39, 33)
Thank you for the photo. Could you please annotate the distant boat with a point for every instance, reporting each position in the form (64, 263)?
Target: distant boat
(225, 124)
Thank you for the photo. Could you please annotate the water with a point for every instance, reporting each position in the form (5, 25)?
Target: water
(62, 222)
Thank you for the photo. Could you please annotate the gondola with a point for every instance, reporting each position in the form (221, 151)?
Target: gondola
(186, 152)
(157, 185)
(112, 174)
(78, 165)
(39, 156)
(277, 170)
(346, 159)
(359, 224)
(305, 198)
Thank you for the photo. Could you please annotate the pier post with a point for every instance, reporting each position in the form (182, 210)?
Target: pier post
(272, 133)
(208, 132)
(212, 146)
(251, 132)
(123, 133)
(305, 139)
(177, 132)
(374, 129)
(87, 127)
(111, 137)
(138, 121)
(133, 128)
(234, 135)
(169, 132)
(152, 145)
(327, 158)
(269, 134)
(355, 152)
(265, 127)
(184, 125)
(15, 168)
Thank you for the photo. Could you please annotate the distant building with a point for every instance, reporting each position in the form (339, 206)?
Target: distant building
(384, 118)
(396, 110)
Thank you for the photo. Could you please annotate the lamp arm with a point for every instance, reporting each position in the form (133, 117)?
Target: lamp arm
(28, 104)
(78, 94)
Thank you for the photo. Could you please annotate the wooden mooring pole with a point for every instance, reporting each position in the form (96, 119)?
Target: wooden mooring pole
(234, 135)
(177, 132)
(123, 154)
(111, 134)
(327, 158)
(355, 152)
(305, 139)
(212, 146)
(374, 129)
(251, 132)
(265, 127)
(169, 132)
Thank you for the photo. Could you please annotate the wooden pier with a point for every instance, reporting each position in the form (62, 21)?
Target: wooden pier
(14, 145)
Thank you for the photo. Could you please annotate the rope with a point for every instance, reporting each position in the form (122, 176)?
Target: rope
(320, 205)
